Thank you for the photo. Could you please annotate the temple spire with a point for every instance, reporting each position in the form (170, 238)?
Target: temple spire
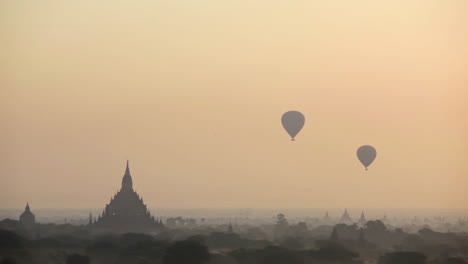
(362, 220)
(27, 217)
(345, 218)
(90, 221)
(127, 170)
(127, 183)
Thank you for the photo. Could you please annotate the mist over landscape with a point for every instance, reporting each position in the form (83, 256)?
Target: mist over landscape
(250, 215)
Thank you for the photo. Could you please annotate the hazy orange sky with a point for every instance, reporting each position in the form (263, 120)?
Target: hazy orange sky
(192, 92)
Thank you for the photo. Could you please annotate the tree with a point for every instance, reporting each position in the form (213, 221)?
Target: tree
(267, 255)
(300, 229)
(10, 240)
(332, 251)
(376, 226)
(8, 261)
(186, 252)
(134, 238)
(334, 236)
(292, 243)
(456, 260)
(403, 257)
(281, 226)
(280, 256)
(281, 220)
(103, 251)
(77, 259)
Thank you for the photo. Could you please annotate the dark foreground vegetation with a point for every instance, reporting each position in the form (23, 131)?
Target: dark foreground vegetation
(280, 243)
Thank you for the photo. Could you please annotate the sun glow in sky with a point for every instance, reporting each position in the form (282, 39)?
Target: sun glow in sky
(192, 93)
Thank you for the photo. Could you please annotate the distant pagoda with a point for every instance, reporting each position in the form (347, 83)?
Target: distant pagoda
(27, 218)
(363, 219)
(345, 218)
(126, 211)
(326, 218)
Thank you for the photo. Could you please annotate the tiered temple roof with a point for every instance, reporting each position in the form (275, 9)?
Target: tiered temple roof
(126, 211)
(27, 217)
(345, 218)
(363, 219)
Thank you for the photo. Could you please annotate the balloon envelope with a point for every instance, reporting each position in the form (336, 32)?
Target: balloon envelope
(366, 154)
(293, 121)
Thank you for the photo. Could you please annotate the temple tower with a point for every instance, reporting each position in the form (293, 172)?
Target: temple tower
(27, 218)
(326, 218)
(345, 218)
(363, 219)
(126, 211)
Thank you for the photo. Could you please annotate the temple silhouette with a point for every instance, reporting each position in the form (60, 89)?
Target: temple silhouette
(362, 220)
(345, 218)
(126, 212)
(27, 218)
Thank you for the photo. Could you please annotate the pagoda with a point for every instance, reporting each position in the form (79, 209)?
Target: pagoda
(362, 220)
(126, 211)
(27, 218)
(345, 218)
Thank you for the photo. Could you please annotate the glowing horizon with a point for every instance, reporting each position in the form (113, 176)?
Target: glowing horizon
(192, 93)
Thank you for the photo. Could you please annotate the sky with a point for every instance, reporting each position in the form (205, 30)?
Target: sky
(192, 93)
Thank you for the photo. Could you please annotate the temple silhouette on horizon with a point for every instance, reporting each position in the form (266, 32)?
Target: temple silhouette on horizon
(27, 218)
(345, 218)
(126, 212)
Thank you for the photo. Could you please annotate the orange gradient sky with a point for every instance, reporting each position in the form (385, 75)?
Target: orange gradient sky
(192, 93)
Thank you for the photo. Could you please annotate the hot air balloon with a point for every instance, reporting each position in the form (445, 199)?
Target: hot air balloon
(293, 121)
(366, 154)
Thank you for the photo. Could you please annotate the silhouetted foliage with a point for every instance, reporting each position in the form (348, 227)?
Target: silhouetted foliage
(276, 255)
(147, 250)
(376, 226)
(270, 255)
(334, 235)
(49, 242)
(292, 243)
(403, 257)
(221, 240)
(299, 229)
(249, 245)
(224, 240)
(333, 252)
(10, 240)
(133, 238)
(222, 259)
(281, 227)
(8, 261)
(186, 252)
(456, 260)
(77, 259)
(102, 247)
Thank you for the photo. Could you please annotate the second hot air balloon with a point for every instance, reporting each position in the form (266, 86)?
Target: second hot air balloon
(293, 122)
(366, 155)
